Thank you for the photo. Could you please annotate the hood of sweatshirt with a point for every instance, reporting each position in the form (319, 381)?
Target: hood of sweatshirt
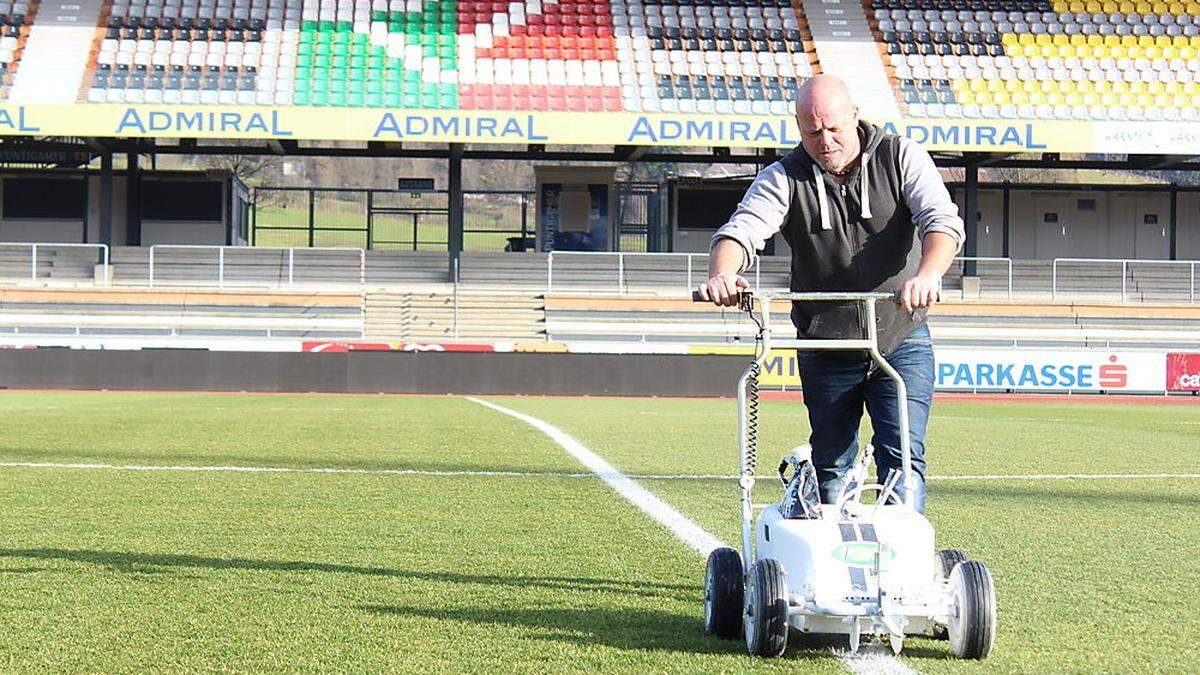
(869, 136)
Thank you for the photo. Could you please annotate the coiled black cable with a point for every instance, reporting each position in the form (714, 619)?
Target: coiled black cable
(750, 461)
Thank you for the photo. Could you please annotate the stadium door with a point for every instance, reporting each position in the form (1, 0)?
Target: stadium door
(1151, 239)
(1052, 227)
(989, 231)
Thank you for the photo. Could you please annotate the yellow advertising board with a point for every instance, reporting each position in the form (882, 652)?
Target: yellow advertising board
(563, 128)
(779, 370)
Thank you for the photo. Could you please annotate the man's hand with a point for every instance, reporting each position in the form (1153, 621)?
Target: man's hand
(722, 289)
(920, 291)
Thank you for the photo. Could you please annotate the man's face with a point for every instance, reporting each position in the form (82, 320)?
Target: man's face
(830, 138)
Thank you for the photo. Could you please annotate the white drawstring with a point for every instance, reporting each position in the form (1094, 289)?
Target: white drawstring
(821, 199)
(863, 194)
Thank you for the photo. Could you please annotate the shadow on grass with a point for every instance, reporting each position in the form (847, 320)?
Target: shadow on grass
(1068, 490)
(619, 627)
(147, 563)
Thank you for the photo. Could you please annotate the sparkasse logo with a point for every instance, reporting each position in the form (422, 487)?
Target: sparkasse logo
(1113, 375)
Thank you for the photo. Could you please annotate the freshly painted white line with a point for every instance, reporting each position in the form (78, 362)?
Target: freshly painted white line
(692, 534)
(679, 525)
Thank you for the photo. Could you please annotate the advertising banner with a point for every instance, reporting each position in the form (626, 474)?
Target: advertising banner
(332, 347)
(1183, 372)
(563, 128)
(1050, 370)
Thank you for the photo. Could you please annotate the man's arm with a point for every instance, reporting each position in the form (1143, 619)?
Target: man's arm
(936, 217)
(758, 217)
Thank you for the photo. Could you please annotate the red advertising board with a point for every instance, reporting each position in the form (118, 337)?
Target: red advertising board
(393, 347)
(1183, 372)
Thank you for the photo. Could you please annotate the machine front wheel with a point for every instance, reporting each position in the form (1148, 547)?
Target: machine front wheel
(972, 626)
(723, 591)
(947, 559)
(766, 609)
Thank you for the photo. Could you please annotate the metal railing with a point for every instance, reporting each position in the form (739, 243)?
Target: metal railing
(291, 259)
(622, 269)
(1125, 263)
(988, 259)
(33, 255)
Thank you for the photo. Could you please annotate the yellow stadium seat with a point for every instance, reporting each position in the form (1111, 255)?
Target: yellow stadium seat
(1162, 41)
(1159, 8)
(1083, 51)
(994, 86)
(1008, 39)
(1187, 53)
(1095, 40)
(1127, 8)
(1026, 38)
(1176, 8)
(975, 85)
(1128, 40)
(1137, 87)
(1108, 100)
(1173, 88)
(1076, 7)
(1093, 7)
(1119, 87)
(1042, 39)
(1085, 87)
(1013, 85)
(1155, 88)
(1118, 52)
(1193, 8)
(1145, 40)
(1047, 86)
(983, 98)
(1179, 41)
(1134, 52)
(1169, 53)
(1078, 39)
(1145, 100)
(1111, 7)
(1061, 40)
(1152, 52)
(1102, 87)
(1048, 51)
(1112, 40)
(1194, 42)
(1029, 86)
(1144, 8)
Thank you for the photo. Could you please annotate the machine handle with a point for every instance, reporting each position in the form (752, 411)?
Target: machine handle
(745, 299)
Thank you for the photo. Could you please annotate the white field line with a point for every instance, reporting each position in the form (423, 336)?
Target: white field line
(692, 534)
(680, 525)
(540, 474)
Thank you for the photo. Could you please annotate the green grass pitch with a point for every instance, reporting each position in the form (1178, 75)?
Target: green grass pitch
(121, 570)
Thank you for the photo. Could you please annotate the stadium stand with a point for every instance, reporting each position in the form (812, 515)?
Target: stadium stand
(431, 315)
(179, 314)
(15, 19)
(1043, 60)
(583, 317)
(586, 55)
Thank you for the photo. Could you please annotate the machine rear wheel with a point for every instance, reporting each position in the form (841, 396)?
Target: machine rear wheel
(972, 626)
(766, 610)
(947, 558)
(723, 593)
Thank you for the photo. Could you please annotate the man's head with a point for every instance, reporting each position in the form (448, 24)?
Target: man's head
(828, 120)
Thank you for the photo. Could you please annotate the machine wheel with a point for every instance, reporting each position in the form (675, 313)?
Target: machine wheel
(972, 627)
(766, 610)
(723, 591)
(947, 558)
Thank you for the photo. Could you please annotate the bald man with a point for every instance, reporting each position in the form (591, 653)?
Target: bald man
(862, 211)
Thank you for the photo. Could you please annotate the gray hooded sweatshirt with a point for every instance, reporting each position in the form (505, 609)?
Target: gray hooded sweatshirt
(860, 235)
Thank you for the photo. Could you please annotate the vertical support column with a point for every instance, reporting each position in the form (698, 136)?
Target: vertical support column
(971, 221)
(454, 239)
(106, 198)
(133, 200)
(1007, 254)
(312, 211)
(1174, 224)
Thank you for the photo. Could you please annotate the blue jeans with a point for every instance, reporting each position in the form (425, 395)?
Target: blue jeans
(837, 386)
